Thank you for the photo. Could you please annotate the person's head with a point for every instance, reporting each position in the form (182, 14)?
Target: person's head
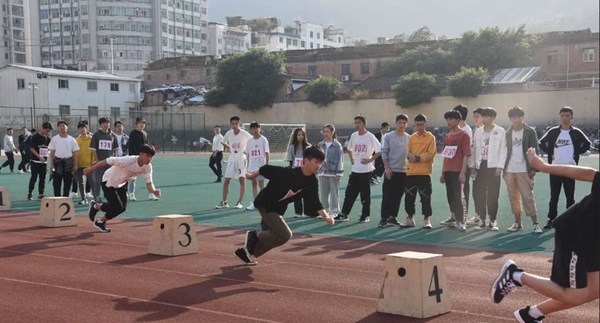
(234, 123)
(33, 131)
(488, 115)
(46, 129)
(463, 109)
(9, 131)
(104, 123)
(516, 116)
(299, 138)
(23, 130)
(329, 132)
(145, 155)
(140, 123)
(255, 129)
(477, 118)
(360, 122)
(63, 127)
(82, 127)
(118, 127)
(401, 122)
(452, 117)
(385, 127)
(420, 123)
(313, 158)
(566, 115)
(217, 130)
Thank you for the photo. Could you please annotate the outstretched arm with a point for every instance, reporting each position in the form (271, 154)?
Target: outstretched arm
(580, 173)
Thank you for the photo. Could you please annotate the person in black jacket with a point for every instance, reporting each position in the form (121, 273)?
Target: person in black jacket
(379, 167)
(286, 185)
(563, 144)
(137, 138)
(24, 150)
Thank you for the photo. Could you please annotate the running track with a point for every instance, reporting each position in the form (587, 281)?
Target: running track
(74, 274)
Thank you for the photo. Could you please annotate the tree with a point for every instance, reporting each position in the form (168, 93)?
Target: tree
(215, 97)
(321, 90)
(421, 34)
(414, 88)
(469, 81)
(250, 80)
(423, 59)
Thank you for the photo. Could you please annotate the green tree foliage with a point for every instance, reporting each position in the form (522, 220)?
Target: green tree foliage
(215, 97)
(250, 80)
(321, 91)
(469, 81)
(423, 59)
(421, 34)
(414, 88)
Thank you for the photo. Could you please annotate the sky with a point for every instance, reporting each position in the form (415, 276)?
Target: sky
(386, 18)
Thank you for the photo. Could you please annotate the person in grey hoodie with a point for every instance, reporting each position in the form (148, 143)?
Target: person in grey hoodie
(331, 170)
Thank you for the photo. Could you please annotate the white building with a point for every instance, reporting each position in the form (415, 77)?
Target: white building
(30, 92)
(19, 44)
(225, 40)
(301, 35)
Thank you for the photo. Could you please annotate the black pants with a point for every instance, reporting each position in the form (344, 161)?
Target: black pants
(358, 183)
(467, 190)
(379, 167)
(25, 157)
(556, 182)
(10, 160)
(392, 190)
(418, 184)
(116, 200)
(216, 161)
(59, 180)
(486, 191)
(453, 193)
(37, 170)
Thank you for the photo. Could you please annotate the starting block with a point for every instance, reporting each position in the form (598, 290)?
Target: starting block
(414, 285)
(173, 235)
(4, 199)
(57, 212)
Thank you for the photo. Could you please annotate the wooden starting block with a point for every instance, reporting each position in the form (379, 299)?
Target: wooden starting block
(57, 212)
(4, 199)
(173, 235)
(414, 285)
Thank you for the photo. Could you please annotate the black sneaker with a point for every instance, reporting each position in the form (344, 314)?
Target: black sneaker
(41, 196)
(101, 226)
(393, 222)
(549, 225)
(92, 211)
(364, 219)
(30, 196)
(523, 316)
(504, 283)
(243, 254)
(218, 180)
(383, 223)
(251, 240)
(341, 218)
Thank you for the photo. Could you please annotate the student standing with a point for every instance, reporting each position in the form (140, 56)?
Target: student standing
(379, 167)
(9, 150)
(294, 154)
(63, 159)
(331, 171)
(258, 156)
(217, 154)
(103, 145)
(85, 159)
(25, 154)
(137, 138)
(39, 154)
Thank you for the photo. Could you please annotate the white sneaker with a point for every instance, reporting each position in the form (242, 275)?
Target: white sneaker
(408, 223)
(222, 205)
(537, 228)
(89, 195)
(474, 220)
(131, 197)
(427, 223)
(20, 172)
(73, 194)
(238, 205)
(515, 227)
(152, 197)
(251, 207)
(494, 226)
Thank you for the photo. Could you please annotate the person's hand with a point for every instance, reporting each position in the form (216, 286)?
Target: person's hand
(534, 160)
(338, 178)
(411, 158)
(330, 220)
(532, 174)
(462, 178)
(156, 192)
(498, 172)
(42, 159)
(473, 172)
(388, 173)
(87, 171)
(365, 161)
(252, 175)
(442, 179)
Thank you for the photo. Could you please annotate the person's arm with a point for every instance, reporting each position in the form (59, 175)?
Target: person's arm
(98, 165)
(330, 220)
(501, 155)
(51, 159)
(543, 143)
(431, 151)
(377, 151)
(150, 187)
(466, 148)
(579, 173)
(585, 144)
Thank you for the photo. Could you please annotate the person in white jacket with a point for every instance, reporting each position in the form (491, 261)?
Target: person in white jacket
(486, 164)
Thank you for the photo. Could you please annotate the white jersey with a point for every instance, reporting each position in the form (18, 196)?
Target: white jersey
(125, 169)
(63, 147)
(363, 146)
(257, 150)
(237, 143)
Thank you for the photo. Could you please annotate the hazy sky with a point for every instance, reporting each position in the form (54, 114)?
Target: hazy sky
(370, 19)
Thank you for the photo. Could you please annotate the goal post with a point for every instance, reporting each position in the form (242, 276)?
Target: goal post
(278, 134)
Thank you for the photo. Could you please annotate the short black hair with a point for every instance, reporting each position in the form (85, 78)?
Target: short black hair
(118, 122)
(488, 112)
(566, 109)
(24, 128)
(47, 125)
(104, 120)
(147, 149)
(82, 124)
(402, 117)
(217, 126)
(361, 118)
(139, 119)
(478, 110)
(314, 152)
(463, 109)
(254, 124)
(452, 114)
(385, 124)
(234, 118)
(8, 129)
(420, 117)
(516, 112)
(62, 121)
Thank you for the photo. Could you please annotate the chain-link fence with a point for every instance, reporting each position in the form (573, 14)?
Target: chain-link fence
(169, 131)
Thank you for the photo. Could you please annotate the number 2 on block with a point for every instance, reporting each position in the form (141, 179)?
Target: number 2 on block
(436, 291)
(65, 216)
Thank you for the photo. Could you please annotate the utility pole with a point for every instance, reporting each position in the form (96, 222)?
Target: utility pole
(33, 87)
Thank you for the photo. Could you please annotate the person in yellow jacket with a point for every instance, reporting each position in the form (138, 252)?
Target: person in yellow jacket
(421, 151)
(85, 159)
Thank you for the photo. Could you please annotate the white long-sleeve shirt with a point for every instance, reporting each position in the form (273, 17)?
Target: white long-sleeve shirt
(9, 144)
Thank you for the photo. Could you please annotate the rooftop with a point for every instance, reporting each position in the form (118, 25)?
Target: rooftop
(74, 74)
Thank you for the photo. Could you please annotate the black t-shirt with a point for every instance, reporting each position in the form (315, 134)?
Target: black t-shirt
(136, 140)
(40, 144)
(285, 186)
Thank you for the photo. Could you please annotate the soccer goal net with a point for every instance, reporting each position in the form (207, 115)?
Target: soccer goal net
(278, 134)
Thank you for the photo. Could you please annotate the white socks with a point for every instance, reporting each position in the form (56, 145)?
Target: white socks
(535, 312)
(517, 277)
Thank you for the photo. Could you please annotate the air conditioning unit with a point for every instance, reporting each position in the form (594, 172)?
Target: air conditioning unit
(345, 78)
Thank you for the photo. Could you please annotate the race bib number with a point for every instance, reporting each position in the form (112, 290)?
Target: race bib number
(43, 152)
(298, 162)
(449, 152)
(360, 149)
(236, 146)
(105, 145)
(255, 153)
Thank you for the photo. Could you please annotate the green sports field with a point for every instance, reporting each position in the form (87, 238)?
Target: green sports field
(187, 186)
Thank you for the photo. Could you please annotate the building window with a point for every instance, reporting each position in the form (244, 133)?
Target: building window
(131, 88)
(281, 39)
(312, 70)
(318, 35)
(114, 87)
(115, 113)
(63, 84)
(551, 58)
(588, 55)
(64, 110)
(345, 69)
(303, 44)
(311, 34)
(92, 86)
(168, 76)
(20, 84)
(364, 68)
(92, 112)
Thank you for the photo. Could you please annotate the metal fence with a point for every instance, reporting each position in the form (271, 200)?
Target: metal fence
(169, 131)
